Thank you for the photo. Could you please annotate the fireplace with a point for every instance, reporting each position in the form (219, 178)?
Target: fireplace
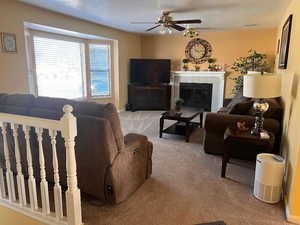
(196, 95)
(216, 88)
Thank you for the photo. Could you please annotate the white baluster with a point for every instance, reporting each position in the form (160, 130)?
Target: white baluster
(20, 176)
(57, 187)
(9, 174)
(2, 185)
(69, 132)
(43, 183)
(31, 178)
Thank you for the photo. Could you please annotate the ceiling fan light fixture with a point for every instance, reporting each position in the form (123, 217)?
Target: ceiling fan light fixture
(163, 30)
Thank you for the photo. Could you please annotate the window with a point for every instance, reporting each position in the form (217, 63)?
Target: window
(99, 69)
(60, 68)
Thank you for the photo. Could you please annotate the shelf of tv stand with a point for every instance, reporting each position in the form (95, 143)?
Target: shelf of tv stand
(149, 97)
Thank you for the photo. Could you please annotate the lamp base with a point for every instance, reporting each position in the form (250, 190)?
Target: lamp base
(259, 133)
(260, 107)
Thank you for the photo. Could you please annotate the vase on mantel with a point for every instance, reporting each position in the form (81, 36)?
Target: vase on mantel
(185, 67)
(185, 64)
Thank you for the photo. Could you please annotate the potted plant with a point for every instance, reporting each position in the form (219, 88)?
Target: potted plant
(178, 104)
(238, 86)
(211, 64)
(253, 63)
(185, 64)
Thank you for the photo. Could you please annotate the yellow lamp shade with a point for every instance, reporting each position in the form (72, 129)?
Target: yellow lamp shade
(262, 86)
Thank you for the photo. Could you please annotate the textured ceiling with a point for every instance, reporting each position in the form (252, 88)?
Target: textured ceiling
(215, 14)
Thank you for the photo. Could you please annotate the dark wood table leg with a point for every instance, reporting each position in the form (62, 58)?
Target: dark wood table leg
(161, 126)
(201, 120)
(187, 131)
(225, 160)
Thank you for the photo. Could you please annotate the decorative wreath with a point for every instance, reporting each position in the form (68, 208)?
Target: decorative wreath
(206, 55)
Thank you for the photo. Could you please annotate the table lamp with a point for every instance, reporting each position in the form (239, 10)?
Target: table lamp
(261, 87)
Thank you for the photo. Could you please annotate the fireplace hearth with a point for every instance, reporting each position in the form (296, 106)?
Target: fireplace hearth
(196, 95)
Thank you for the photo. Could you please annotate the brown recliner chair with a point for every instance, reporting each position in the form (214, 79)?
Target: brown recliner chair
(240, 109)
(110, 166)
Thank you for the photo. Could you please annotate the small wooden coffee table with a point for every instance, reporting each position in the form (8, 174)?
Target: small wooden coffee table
(184, 125)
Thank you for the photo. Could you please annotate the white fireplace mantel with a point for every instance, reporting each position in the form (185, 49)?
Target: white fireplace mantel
(207, 77)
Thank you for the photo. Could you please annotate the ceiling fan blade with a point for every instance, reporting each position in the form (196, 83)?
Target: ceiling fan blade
(187, 21)
(153, 27)
(176, 27)
(143, 22)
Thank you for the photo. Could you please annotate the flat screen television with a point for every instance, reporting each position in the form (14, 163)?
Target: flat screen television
(150, 71)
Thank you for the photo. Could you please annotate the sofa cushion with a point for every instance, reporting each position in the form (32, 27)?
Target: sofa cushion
(234, 101)
(45, 113)
(241, 108)
(239, 105)
(274, 111)
(50, 108)
(2, 98)
(223, 110)
(2, 101)
(56, 104)
(17, 103)
(19, 99)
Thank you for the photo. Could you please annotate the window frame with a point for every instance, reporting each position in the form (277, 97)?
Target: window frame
(88, 66)
(85, 59)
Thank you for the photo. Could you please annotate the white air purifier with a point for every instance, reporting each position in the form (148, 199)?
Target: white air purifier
(269, 174)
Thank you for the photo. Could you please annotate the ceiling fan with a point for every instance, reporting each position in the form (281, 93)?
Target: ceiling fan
(167, 22)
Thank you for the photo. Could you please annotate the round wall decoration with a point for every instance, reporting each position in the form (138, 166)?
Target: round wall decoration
(198, 50)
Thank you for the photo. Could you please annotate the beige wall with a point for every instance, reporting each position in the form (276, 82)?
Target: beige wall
(13, 69)
(227, 46)
(291, 98)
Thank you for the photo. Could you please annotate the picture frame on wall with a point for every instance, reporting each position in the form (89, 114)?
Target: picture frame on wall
(285, 43)
(278, 47)
(9, 42)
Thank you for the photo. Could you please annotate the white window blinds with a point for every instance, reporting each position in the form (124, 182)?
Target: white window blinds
(59, 67)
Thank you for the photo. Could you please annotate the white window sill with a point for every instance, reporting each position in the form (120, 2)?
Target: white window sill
(93, 98)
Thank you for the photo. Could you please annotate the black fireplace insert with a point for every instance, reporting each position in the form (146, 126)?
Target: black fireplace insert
(196, 95)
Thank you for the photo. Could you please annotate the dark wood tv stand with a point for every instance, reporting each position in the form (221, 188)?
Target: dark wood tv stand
(149, 97)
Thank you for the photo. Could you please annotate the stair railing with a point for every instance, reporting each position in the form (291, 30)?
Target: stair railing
(12, 184)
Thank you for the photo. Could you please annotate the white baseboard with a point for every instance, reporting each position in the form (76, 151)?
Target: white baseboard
(290, 218)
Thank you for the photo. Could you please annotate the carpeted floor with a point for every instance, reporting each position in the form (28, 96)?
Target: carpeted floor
(185, 187)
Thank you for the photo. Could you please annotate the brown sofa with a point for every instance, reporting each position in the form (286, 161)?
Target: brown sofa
(110, 166)
(240, 109)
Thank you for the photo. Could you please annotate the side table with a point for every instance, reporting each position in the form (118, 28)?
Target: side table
(244, 145)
